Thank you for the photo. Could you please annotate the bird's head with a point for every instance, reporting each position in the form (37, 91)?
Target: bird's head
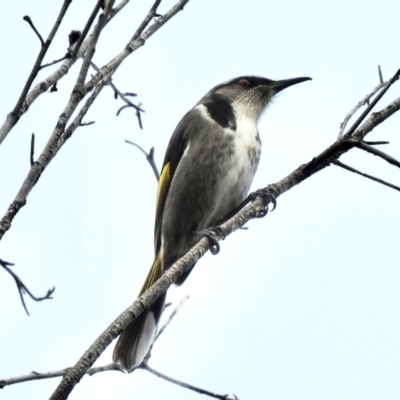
(251, 94)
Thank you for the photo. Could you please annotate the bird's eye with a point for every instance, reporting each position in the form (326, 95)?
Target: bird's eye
(244, 82)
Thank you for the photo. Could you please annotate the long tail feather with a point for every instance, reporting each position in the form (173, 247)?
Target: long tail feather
(137, 338)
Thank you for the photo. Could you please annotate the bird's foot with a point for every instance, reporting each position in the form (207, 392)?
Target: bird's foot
(268, 194)
(210, 235)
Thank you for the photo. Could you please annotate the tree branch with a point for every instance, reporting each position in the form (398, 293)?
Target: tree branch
(149, 157)
(22, 288)
(187, 386)
(92, 371)
(28, 19)
(26, 99)
(15, 114)
(366, 100)
(376, 152)
(123, 96)
(373, 178)
(60, 134)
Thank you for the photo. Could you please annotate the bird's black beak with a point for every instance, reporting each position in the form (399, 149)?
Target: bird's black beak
(277, 86)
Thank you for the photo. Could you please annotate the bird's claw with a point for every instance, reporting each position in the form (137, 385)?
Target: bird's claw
(262, 213)
(269, 194)
(214, 245)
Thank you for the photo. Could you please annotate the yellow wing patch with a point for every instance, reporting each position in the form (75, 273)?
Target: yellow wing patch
(163, 185)
(154, 274)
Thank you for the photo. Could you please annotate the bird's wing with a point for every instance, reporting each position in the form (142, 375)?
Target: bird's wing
(176, 149)
(192, 124)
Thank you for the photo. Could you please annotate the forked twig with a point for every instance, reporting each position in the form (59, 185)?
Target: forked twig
(365, 101)
(149, 157)
(22, 288)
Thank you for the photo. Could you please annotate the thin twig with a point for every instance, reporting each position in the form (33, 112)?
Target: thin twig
(32, 149)
(54, 62)
(35, 376)
(373, 178)
(23, 105)
(123, 96)
(22, 288)
(363, 102)
(149, 157)
(171, 316)
(187, 386)
(376, 142)
(162, 328)
(86, 28)
(28, 19)
(380, 74)
(15, 114)
(356, 124)
(86, 123)
(364, 146)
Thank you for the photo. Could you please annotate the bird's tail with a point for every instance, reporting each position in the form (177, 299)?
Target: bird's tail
(137, 338)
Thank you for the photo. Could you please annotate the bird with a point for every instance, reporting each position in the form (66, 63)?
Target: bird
(208, 168)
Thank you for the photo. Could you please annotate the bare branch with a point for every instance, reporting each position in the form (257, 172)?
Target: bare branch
(86, 123)
(26, 99)
(162, 328)
(187, 386)
(351, 169)
(22, 288)
(32, 149)
(35, 376)
(149, 157)
(372, 105)
(28, 19)
(15, 114)
(123, 96)
(380, 74)
(172, 315)
(365, 101)
(59, 136)
(376, 152)
(375, 143)
(54, 62)
(86, 29)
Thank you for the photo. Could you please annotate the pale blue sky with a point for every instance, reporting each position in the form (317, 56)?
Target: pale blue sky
(304, 304)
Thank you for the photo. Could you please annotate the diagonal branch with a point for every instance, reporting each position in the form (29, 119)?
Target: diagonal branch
(373, 178)
(26, 99)
(366, 100)
(379, 153)
(188, 386)
(15, 114)
(386, 87)
(60, 135)
(149, 157)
